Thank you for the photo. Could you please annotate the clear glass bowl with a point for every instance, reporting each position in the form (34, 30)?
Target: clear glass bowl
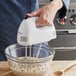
(24, 61)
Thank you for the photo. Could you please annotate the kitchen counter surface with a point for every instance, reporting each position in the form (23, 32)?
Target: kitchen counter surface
(56, 65)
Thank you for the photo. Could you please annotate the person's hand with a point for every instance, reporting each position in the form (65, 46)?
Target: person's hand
(47, 13)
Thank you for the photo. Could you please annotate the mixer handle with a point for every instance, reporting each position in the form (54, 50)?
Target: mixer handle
(29, 17)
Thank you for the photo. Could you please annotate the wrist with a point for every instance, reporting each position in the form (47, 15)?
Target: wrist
(57, 4)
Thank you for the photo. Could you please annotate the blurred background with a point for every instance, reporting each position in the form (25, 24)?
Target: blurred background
(65, 43)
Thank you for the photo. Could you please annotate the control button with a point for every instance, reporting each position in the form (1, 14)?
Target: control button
(62, 21)
(73, 10)
(69, 10)
(73, 19)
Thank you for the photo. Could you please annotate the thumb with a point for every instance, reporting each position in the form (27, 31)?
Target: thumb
(36, 13)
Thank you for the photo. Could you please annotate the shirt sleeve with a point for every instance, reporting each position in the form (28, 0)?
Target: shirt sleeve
(63, 10)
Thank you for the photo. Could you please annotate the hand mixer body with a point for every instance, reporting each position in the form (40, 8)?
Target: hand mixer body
(29, 34)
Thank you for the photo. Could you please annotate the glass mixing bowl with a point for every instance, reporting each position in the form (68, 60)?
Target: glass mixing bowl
(24, 61)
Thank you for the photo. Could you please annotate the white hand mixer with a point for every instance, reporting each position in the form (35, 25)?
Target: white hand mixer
(29, 34)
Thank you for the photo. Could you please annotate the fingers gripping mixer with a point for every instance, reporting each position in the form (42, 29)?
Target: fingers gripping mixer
(29, 34)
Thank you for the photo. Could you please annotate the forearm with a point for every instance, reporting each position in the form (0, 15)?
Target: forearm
(61, 3)
(57, 4)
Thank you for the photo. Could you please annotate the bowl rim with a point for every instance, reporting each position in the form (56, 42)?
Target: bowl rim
(41, 60)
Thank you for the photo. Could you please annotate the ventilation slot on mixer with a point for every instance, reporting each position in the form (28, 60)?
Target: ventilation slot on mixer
(23, 39)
